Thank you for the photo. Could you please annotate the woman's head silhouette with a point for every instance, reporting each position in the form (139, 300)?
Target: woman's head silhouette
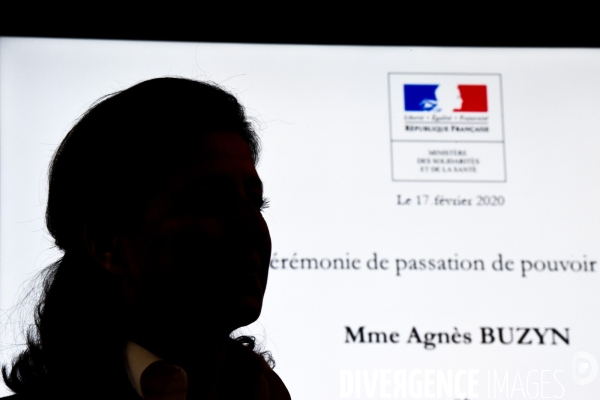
(155, 200)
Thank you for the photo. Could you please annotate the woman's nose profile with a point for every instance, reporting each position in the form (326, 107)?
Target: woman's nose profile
(156, 204)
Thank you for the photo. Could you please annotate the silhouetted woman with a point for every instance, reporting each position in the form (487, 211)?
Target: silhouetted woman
(155, 200)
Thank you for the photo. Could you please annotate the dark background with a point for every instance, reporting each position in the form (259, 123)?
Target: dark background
(390, 24)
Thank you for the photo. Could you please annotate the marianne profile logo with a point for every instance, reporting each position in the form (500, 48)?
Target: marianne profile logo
(445, 98)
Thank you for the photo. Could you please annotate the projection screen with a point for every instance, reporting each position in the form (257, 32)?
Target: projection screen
(434, 211)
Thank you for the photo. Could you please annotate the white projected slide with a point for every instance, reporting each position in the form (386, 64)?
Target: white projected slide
(435, 212)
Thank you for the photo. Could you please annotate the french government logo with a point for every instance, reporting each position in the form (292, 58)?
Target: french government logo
(445, 98)
(446, 127)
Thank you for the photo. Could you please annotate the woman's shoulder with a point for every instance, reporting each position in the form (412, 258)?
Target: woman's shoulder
(272, 387)
(277, 389)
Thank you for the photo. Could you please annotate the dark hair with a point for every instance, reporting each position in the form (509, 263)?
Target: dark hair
(104, 170)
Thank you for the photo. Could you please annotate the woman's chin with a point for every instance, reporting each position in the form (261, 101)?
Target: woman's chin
(246, 310)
